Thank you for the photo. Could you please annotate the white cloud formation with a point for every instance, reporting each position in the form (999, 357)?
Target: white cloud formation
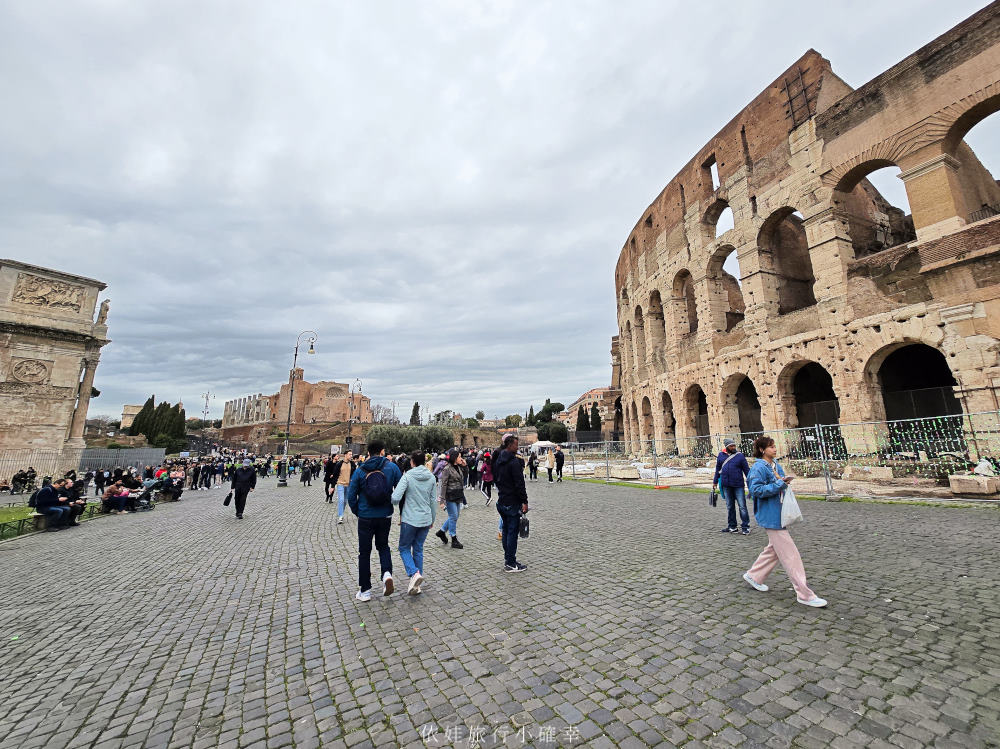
(440, 189)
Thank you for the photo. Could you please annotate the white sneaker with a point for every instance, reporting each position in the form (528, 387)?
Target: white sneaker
(340, 520)
(387, 582)
(364, 595)
(758, 586)
(415, 582)
(816, 602)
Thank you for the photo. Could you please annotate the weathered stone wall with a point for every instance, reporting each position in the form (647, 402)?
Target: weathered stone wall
(830, 273)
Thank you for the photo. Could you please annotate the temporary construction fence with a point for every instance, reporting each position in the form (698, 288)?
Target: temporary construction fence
(48, 462)
(930, 448)
(45, 462)
(131, 457)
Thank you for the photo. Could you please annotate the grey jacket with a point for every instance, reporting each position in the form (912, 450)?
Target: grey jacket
(418, 486)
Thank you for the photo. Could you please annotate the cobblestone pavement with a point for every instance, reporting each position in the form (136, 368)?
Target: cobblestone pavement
(631, 627)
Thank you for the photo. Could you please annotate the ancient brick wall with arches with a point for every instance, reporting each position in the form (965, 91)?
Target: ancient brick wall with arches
(823, 300)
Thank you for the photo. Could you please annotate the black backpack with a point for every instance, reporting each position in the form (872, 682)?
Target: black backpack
(378, 490)
(33, 498)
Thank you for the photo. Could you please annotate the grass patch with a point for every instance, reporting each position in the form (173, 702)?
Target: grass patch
(9, 514)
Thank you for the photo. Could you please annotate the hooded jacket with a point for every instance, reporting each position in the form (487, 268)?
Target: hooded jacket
(418, 486)
(245, 477)
(508, 475)
(356, 489)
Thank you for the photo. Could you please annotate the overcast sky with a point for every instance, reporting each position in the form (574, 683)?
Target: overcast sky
(439, 189)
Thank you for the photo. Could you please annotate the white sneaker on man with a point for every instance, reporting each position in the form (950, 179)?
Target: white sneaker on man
(756, 585)
(387, 584)
(364, 595)
(340, 520)
(415, 583)
(816, 602)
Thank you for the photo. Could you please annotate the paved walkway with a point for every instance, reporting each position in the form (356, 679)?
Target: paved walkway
(631, 627)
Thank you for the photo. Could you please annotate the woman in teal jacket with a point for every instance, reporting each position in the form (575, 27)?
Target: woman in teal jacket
(415, 493)
(766, 484)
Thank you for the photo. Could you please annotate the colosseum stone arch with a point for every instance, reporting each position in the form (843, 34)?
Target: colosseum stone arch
(833, 279)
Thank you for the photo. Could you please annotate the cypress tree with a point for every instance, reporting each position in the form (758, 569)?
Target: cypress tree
(159, 423)
(531, 416)
(415, 414)
(582, 420)
(142, 418)
(595, 419)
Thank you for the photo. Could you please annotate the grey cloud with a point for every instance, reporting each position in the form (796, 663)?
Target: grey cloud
(440, 189)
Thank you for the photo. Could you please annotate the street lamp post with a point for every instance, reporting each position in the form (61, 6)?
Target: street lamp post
(207, 395)
(283, 466)
(350, 418)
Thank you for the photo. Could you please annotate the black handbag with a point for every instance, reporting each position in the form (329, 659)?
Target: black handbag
(713, 498)
(228, 499)
(523, 528)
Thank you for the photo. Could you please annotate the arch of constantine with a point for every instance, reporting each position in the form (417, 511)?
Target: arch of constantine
(844, 308)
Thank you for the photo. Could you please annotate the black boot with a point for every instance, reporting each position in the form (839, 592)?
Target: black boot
(455, 543)
(443, 536)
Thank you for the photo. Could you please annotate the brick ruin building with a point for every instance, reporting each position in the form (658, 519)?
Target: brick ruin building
(847, 309)
(253, 417)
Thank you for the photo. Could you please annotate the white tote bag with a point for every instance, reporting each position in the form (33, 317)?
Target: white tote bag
(790, 512)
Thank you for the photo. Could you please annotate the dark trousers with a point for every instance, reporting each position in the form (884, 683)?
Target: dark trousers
(54, 515)
(558, 472)
(550, 474)
(532, 472)
(240, 495)
(488, 489)
(511, 526)
(370, 529)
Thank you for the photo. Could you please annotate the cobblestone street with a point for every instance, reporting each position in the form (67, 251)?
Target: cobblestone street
(631, 627)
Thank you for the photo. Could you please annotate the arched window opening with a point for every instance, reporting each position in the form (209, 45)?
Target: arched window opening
(640, 344)
(978, 152)
(815, 400)
(783, 239)
(619, 420)
(685, 304)
(727, 291)
(917, 383)
(657, 326)
(726, 222)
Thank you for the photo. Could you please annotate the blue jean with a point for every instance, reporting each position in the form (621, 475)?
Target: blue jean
(341, 499)
(734, 495)
(55, 515)
(510, 526)
(451, 524)
(411, 547)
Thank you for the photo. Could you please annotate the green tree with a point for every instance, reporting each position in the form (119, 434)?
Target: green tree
(472, 423)
(554, 431)
(512, 420)
(437, 439)
(141, 422)
(582, 420)
(159, 422)
(595, 419)
(415, 415)
(531, 416)
(480, 415)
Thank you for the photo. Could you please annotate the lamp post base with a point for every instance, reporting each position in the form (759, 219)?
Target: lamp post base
(282, 483)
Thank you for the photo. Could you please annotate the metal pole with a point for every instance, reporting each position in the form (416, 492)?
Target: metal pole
(283, 475)
(607, 462)
(656, 475)
(572, 461)
(830, 495)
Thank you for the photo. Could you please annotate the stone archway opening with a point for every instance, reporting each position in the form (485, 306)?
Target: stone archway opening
(699, 425)
(785, 254)
(669, 432)
(729, 307)
(872, 199)
(975, 144)
(646, 431)
(619, 419)
(639, 341)
(657, 325)
(815, 399)
(917, 383)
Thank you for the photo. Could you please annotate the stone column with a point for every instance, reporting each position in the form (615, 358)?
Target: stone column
(83, 399)
(935, 195)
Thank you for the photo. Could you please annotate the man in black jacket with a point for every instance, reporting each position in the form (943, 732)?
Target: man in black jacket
(560, 459)
(512, 499)
(244, 482)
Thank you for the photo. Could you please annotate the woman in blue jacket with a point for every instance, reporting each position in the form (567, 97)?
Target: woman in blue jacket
(767, 482)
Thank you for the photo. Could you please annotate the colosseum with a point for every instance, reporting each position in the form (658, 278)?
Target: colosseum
(844, 309)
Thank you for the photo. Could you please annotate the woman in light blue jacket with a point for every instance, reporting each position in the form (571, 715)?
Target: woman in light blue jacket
(415, 494)
(766, 484)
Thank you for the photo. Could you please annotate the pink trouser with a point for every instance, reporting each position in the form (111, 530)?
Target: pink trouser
(781, 548)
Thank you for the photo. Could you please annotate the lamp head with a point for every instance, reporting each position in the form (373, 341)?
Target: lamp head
(311, 349)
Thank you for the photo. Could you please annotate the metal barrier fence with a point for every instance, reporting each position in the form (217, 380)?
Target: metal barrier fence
(45, 462)
(130, 457)
(930, 448)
